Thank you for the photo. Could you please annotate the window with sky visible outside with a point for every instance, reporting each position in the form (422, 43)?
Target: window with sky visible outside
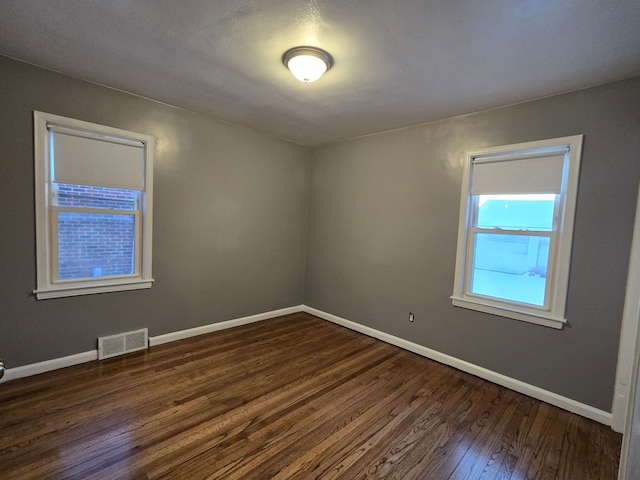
(512, 240)
(517, 208)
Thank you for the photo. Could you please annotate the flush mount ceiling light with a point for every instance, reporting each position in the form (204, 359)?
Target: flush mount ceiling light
(307, 64)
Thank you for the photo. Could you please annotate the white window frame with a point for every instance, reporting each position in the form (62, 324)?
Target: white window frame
(552, 314)
(46, 237)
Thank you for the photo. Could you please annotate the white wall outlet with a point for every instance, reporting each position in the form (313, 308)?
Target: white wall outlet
(411, 317)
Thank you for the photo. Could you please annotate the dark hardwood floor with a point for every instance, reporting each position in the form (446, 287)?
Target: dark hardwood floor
(289, 398)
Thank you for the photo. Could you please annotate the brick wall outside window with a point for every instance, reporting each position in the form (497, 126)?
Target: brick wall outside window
(95, 244)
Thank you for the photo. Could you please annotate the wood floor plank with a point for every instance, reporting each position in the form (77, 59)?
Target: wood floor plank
(328, 460)
(406, 451)
(480, 450)
(292, 398)
(288, 413)
(161, 440)
(445, 459)
(130, 404)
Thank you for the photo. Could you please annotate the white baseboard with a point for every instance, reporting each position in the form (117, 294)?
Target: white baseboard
(48, 365)
(214, 327)
(511, 383)
(56, 363)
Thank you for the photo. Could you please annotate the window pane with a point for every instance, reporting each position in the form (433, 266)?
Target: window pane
(515, 212)
(510, 267)
(95, 197)
(95, 245)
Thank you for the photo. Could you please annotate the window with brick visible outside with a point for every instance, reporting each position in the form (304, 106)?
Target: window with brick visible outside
(93, 207)
(95, 244)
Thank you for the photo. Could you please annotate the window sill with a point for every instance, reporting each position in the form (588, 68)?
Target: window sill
(546, 320)
(75, 290)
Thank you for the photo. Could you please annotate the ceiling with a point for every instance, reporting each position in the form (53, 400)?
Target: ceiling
(397, 62)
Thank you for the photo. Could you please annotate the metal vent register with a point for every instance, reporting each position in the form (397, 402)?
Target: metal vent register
(122, 343)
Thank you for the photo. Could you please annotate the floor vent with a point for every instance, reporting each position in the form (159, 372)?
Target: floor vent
(123, 343)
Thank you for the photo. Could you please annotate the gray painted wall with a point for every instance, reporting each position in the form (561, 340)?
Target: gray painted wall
(230, 221)
(230, 210)
(383, 224)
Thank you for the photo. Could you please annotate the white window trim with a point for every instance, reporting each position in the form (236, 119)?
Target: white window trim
(46, 287)
(554, 316)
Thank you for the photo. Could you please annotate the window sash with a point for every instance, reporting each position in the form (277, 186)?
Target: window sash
(472, 229)
(551, 260)
(54, 198)
(473, 220)
(54, 254)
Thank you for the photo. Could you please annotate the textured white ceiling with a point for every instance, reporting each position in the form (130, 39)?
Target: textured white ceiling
(397, 62)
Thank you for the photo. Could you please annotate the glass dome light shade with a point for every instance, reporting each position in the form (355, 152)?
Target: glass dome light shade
(307, 64)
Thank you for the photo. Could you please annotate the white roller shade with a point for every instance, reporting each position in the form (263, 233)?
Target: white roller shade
(496, 176)
(91, 160)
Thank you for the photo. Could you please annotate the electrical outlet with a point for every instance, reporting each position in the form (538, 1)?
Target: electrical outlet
(411, 317)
